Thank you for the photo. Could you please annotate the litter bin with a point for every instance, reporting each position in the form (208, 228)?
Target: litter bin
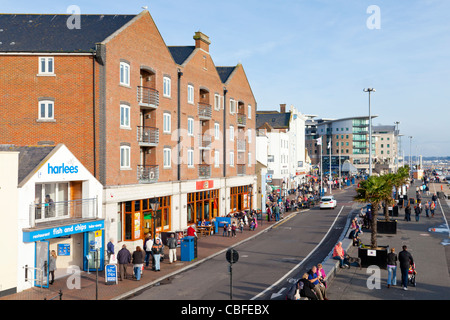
(187, 249)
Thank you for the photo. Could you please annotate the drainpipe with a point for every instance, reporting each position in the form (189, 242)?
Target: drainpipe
(94, 55)
(180, 74)
(225, 91)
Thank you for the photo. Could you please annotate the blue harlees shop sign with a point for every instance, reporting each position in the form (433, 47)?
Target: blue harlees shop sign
(32, 236)
(62, 169)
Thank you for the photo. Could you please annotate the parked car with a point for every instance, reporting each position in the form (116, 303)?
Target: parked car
(327, 202)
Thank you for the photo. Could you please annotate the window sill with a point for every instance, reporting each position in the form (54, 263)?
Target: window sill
(46, 75)
(125, 85)
(45, 120)
(125, 128)
(125, 169)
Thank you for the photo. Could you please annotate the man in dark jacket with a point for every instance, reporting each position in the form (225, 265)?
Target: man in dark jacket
(405, 258)
(172, 244)
(123, 259)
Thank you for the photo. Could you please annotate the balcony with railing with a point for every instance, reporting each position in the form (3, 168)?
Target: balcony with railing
(148, 97)
(204, 111)
(241, 169)
(147, 136)
(147, 174)
(204, 141)
(241, 120)
(62, 211)
(241, 145)
(204, 171)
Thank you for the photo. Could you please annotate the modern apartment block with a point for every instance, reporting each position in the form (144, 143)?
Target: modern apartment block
(387, 146)
(151, 122)
(345, 139)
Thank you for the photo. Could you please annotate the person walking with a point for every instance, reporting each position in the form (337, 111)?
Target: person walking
(427, 209)
(392, 268)
(233, 229)
(138, 262)
(432, 208)
(123, 259)
(148, 243)
(405, 258)
(110, 249)
(172, 244)
(52, 265)
(417, 211)
(157, 250)
(408, 212)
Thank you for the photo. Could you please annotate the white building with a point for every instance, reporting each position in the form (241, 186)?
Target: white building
(54, 203)
(286, 158)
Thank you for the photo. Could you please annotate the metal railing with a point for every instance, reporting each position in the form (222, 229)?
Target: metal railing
(204, 171)
(241, 145)
(204, 141)
(71, 209)
(204, 110)
(147, 96)
(147, 174)
(241, 120)
(148, 135)
(241, 169)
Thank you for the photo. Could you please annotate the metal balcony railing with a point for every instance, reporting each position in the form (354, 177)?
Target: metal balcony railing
(241, 145)
(204, 111)
(241, 169)
(204, 171)
(148, 136)
(147, 174)
(72, 209)
(204, 141)
(147, 97)
(241, 120)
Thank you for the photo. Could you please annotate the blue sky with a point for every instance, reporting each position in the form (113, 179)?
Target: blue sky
(318, 55)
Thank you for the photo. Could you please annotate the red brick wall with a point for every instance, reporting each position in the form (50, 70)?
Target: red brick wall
(72, 91)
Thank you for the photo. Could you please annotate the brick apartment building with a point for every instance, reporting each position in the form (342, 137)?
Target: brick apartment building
(149, 121)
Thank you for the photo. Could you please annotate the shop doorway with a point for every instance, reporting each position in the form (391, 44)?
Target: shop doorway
(41, 271)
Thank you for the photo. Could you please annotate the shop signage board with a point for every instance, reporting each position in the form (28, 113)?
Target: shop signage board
(63, 249)
(201, 185)
(38, 235)
(111, 274)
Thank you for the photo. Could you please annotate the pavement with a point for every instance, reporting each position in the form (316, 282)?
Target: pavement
(426, 240)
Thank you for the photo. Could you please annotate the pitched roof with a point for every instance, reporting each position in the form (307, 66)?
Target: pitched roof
(275, 119)
(181, 53)
(50, 32)
(29, 157)
(225, 73)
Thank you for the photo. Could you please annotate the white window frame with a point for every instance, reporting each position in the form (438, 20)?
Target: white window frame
(125, 157)
(216, 159)
(231, 133)
(231, 158)
(217, 102)
(124, 74)
(46, 104)
(46, 61)
(167, 123)
(216, 131)
(123, 123)
(190, 155)
(249, 110)
(190, 127)
(232, 106)
(167, 87)
(249, 159)
(249, 134)
(190, 94)
(167, 155)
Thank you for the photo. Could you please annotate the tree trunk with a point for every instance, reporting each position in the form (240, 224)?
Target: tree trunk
(373, 238)
(386, 211)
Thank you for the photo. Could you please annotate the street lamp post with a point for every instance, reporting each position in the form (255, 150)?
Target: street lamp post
(154, 205)
(396, 133)
(370, 90)
(410, 152)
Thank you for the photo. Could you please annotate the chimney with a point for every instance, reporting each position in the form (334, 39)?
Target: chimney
(282, 108)
(202, 41)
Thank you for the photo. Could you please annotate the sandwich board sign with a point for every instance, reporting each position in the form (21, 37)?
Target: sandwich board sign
(111, 274)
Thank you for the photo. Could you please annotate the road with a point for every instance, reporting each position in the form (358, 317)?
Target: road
(266, 263)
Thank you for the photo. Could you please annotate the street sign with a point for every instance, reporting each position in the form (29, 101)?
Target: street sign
(232, 256)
